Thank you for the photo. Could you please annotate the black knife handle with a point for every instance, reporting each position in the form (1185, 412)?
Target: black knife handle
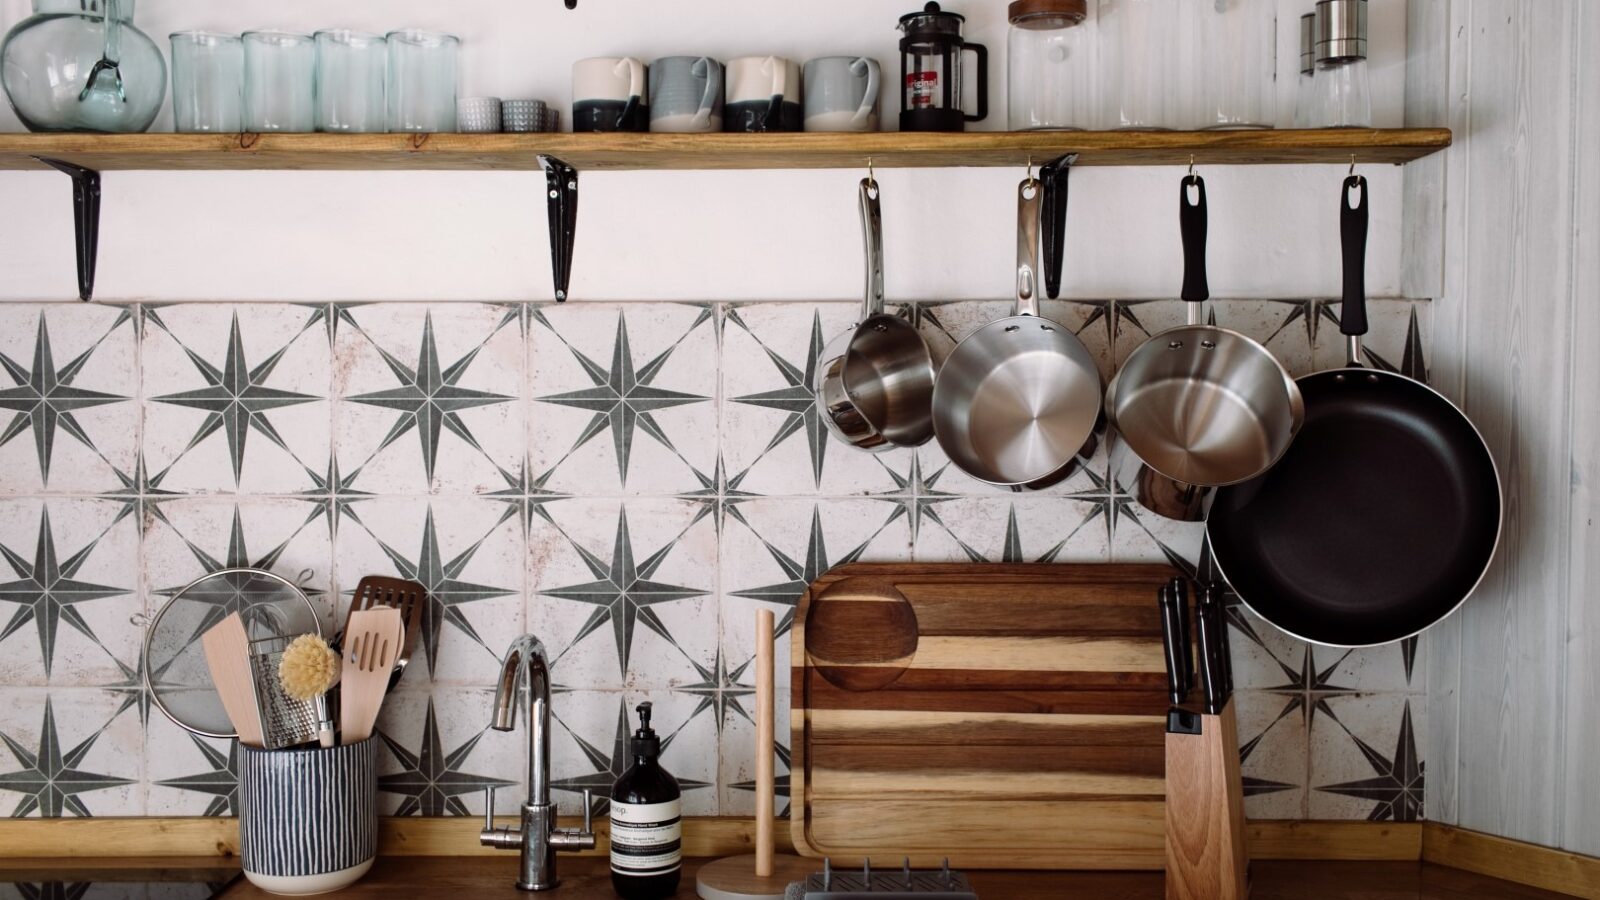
(1172, 643)
(1220, 612)
(1180, 589)
(1213, 679)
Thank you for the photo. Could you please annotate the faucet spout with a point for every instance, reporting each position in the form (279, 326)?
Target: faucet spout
(525, 676)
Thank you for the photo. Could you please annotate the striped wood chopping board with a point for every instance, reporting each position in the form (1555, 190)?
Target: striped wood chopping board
(1005, 716)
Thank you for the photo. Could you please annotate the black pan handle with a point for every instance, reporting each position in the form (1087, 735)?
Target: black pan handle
(1353, 244)
(1192, 222)
(1173, 636)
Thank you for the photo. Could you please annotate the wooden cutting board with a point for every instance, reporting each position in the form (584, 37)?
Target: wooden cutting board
(1005, 716)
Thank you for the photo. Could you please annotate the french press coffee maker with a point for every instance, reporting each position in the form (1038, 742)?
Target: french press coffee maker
(930, 72)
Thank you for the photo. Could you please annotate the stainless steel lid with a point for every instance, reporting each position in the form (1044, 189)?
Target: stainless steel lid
(1341, 30)
(1308, 43)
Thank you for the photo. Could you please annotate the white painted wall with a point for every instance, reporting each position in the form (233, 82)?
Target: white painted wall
(1514, 678)
(698, 235)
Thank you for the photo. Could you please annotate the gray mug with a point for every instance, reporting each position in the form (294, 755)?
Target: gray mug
(686, 94)
(841, 93)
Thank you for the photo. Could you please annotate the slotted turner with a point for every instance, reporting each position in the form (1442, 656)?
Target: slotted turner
(373, 591)
(373, 639)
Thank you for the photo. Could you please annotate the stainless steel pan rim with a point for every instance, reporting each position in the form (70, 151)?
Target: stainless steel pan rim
(1019, 399)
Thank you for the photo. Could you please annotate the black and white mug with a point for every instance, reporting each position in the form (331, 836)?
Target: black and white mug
(308, 819)
(841, 93)
(763, 95)
(686, 94)
(609, 93)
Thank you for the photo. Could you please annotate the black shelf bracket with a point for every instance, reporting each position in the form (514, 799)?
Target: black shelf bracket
(1054, 176)
(85, 219)
(561, 199)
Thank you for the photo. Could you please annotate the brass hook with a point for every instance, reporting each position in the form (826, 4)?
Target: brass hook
(1191, 164)
(870, 176)
(1352, 164)
(1030, 166)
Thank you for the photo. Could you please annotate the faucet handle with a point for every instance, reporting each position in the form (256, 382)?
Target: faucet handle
(488, 808)
(588, 814)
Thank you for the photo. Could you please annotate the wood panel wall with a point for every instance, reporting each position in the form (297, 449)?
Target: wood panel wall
(1514, 679)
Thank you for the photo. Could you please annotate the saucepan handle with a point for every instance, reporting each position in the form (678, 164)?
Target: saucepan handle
(1192, 221)
(872, 244)
(1353, 246)
(1029, 195)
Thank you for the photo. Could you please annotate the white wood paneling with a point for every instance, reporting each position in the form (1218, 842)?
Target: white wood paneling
(1514, 704)
(1581, 822)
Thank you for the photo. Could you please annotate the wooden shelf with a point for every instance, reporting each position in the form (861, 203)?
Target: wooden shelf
(587, 152)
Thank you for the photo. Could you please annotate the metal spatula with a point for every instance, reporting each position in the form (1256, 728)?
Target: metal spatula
(407, 596)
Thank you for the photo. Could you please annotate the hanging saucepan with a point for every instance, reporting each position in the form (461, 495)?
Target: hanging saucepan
(1198, 406)
(874, 386)
(1018, 400)
(1385, 513)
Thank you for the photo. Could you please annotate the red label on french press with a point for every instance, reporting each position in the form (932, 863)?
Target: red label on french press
(923, 87)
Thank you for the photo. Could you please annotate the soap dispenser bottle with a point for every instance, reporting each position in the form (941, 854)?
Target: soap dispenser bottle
(646, 821)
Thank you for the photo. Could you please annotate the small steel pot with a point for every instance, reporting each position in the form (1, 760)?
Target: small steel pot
(874, 384)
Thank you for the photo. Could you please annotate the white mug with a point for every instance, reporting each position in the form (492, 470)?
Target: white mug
(763, 95)
(609, 93)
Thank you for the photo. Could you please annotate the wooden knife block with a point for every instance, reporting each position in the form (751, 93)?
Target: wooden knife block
(1206, 857)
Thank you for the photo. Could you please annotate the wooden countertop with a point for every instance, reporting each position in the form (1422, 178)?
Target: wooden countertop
(588, 878)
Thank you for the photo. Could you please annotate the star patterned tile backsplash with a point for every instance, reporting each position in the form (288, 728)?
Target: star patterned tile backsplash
(629, 481)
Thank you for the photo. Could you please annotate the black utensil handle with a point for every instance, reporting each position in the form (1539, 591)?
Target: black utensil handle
(1192, 222)
(1180, 590)
(1212, 678)
(1219, 611)
(1055, 176)
(983, 82)
(1353, 246)
(1171, 643)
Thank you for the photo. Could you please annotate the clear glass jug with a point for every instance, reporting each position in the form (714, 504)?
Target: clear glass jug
(80, 65)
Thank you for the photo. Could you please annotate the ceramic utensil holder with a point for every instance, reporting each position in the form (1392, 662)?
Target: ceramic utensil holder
(308, 819)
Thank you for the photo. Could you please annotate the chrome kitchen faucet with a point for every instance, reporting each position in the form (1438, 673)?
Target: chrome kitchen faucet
(526, 668)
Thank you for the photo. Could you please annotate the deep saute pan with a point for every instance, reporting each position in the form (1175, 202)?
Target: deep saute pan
(1383, 515)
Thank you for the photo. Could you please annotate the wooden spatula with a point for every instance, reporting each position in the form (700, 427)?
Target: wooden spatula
(227, 650)
(407, 596)
(373, 639)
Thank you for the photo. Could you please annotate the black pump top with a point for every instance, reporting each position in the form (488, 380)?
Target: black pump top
(645, 744)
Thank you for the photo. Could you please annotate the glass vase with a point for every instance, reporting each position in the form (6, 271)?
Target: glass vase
(81, 65)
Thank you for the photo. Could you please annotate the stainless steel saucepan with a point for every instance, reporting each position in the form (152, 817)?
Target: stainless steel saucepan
(874, 387)
(1019, 399)
(1198, 406)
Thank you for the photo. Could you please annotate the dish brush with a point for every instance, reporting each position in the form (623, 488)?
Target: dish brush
(308, 670)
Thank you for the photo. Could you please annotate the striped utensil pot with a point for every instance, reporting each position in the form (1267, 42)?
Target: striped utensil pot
(308, 819)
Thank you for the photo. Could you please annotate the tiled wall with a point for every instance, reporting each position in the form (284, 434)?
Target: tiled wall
(628, 481)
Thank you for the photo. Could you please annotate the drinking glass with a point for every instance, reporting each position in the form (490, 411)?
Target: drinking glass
(279, 81)
(1238, 58)
(1141, 62)
(207, 82)
(422, 81)
(351, 67)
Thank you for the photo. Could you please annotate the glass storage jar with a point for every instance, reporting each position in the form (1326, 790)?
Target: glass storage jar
(1050, 65)
(1238, 57)
(1343, 98)
(1141, 63)
(1305, 100)
(80, 65)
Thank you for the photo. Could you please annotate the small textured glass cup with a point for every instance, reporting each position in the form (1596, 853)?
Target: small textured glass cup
(280, 78)
(207, 82)
(422, 81)
(351, 69)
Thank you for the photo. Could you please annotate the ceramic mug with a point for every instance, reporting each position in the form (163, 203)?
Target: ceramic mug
(763, 95)
(686, 94)
(308, 819)
(608, 94)
(841, 93)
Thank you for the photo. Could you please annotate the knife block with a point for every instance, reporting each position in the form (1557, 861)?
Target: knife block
(1206, 858)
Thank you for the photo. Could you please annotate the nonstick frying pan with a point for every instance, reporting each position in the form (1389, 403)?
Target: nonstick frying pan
(1383, 515)
(1199, 406)
(1019, 399)
(874, 386)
